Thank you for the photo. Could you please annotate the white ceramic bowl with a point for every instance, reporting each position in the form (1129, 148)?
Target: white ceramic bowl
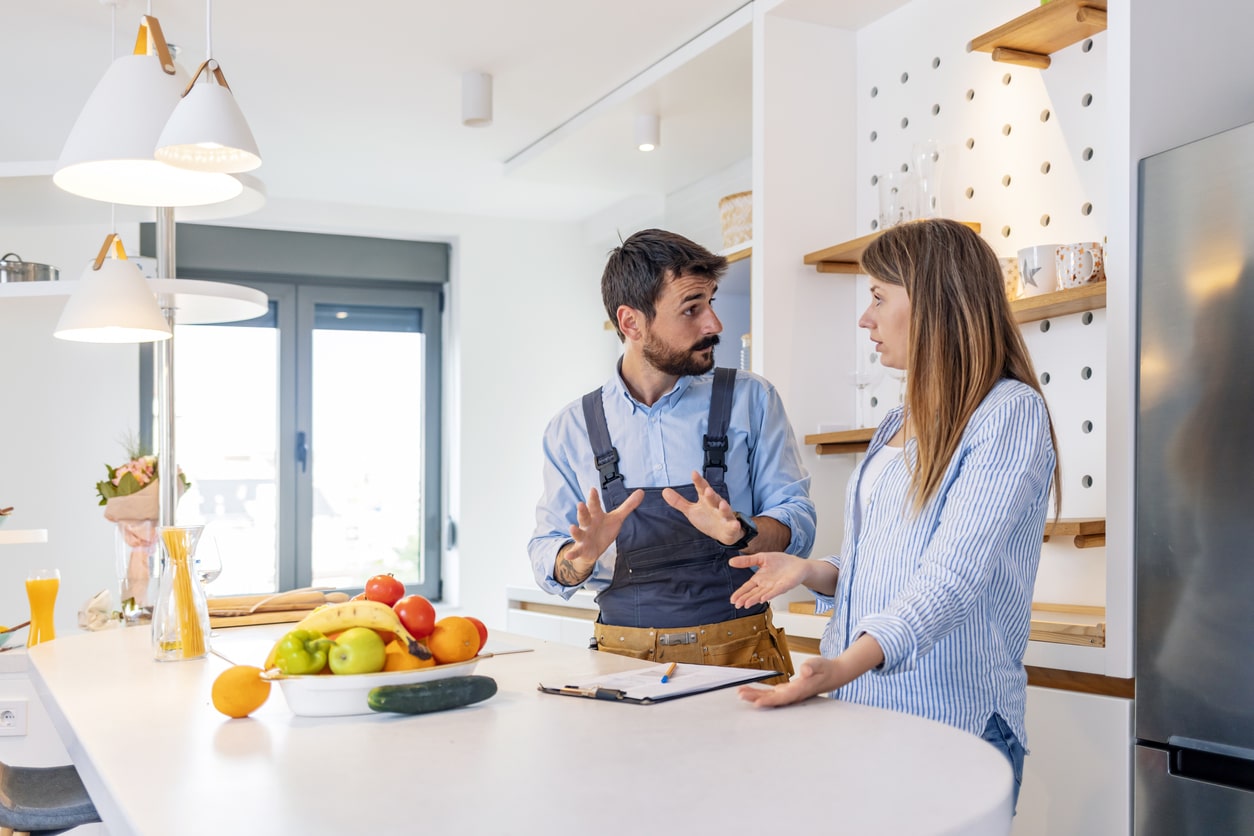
(338, 696)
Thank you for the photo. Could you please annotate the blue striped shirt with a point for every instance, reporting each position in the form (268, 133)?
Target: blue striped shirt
(660, 446)
(947, 593)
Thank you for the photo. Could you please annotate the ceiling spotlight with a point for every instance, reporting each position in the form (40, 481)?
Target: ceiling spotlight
(476, 99)
(648, 131)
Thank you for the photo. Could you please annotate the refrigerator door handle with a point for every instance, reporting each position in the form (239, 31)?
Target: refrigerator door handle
(1213, 763)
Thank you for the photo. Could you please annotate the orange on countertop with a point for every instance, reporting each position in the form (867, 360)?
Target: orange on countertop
(455, 639)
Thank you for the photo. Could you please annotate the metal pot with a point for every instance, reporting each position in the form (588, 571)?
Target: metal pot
(13, 269)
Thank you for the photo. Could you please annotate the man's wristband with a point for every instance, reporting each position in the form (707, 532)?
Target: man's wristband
(748, 530)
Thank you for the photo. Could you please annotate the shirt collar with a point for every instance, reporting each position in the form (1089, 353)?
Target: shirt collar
(618, 388)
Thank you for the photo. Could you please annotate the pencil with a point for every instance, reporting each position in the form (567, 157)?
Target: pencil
(669, 672)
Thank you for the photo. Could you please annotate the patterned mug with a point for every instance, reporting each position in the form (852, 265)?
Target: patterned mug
(1080, 264)
(1010, 274)
(1038, 270)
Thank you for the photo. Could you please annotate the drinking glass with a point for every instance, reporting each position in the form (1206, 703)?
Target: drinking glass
(42, 586)
(207, 563)
(898, 198)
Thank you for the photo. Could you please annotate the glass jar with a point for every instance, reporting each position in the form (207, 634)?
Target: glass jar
(180, 619)
(135, 543)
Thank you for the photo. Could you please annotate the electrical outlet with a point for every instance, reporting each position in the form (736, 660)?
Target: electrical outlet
(12, 718)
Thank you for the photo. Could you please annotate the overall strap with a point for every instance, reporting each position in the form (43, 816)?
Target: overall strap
(613, 491)
(715, 442)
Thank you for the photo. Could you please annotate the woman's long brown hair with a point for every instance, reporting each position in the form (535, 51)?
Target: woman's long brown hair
(963, 338)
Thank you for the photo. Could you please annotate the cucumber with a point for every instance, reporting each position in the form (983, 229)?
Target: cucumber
(436, 695)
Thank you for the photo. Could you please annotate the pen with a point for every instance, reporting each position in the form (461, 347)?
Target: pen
(669, 672)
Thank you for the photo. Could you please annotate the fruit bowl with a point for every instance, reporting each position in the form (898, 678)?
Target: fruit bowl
(330, 695)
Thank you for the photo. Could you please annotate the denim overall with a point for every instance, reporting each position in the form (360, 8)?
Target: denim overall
(667, 573)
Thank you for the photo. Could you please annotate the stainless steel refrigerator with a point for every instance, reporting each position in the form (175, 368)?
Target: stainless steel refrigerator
(1194, 547)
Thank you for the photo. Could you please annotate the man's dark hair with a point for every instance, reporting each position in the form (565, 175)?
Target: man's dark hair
(638, 269)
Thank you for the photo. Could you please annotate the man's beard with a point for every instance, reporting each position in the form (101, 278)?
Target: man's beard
(679, 362)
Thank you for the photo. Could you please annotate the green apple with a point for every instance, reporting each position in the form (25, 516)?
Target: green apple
(357, 650)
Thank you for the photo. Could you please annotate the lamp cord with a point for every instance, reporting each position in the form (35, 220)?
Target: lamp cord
(208, 29)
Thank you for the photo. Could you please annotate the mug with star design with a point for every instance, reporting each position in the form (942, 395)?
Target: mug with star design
(1038, 271)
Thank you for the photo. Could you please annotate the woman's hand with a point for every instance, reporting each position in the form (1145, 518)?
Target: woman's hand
(816, 676)
(777, 573)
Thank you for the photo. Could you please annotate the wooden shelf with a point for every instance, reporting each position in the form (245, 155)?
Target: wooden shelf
(1031, 38)
(16, 536)
(1086, 297)
(1088, 533)
(845, 441)
(738, 253)
(1052, 623)
(846, 257)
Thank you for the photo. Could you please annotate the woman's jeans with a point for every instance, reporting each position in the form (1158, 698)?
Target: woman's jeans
(998, 733)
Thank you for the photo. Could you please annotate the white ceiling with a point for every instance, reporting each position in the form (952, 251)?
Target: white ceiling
(360, 103)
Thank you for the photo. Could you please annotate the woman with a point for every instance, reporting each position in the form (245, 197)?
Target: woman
(932, 590)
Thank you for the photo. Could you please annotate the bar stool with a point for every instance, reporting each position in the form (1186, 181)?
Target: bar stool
(43, 801)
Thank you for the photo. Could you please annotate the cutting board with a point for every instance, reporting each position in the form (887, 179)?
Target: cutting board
(276, 608)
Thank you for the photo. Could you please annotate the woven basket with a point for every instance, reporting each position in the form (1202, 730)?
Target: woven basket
(736, 214)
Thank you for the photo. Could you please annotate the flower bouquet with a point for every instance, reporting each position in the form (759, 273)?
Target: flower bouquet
(131, 500)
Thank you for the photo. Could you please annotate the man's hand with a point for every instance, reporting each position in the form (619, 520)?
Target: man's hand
(710, 514)
(592, 536)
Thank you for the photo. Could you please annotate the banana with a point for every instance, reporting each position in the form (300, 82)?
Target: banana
(335, 618)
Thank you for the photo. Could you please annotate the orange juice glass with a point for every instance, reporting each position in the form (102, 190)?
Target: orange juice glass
(41, 589)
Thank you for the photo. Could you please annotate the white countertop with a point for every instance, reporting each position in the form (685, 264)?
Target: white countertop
(159, 760)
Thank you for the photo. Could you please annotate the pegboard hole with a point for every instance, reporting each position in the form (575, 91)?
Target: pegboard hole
(935, 63)
(875, 179)
(1006, 78)
(1005, 181)
(1086, 100)
(1045, 166)
(875, 91)
(874, 135)
(1044, 325)
(905, 77)
(873, 358)
(874, 225)
(1087, 481)
(970, 143)
(1044, 378)
(1086, 427)
(1086, 209)
(970, 193)
(1005, 129)
(970, 94)
(905, 167)
(1088, 45)
(1045, 115)
(1087, 318)
(1044, 220)
(1087, 154)
(875, 402)
(936, 110)
(1086, 373)
(905, 123)
(1005, 232)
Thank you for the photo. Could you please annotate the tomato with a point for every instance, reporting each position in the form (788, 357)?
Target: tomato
(481, 627)
(385, 589)
(417, 614)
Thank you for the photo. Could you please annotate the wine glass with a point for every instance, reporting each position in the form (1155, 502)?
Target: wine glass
(207, 564)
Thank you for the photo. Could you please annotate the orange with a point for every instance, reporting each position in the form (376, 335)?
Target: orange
(239, 691)
(398, 658)
(455, 639)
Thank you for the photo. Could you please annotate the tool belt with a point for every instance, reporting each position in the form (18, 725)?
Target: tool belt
(750, 642)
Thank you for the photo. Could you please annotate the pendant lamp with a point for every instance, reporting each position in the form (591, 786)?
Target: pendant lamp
(207, 131)
(112, 303)
(108, 155)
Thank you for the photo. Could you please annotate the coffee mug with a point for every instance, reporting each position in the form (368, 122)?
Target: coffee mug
(1079, 264)
(1038, 270)
(1010, 274)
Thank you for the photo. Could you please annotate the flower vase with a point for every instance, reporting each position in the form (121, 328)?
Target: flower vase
(180, 618)
(135, 544)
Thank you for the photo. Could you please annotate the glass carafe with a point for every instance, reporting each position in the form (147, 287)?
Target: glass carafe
(180, 619)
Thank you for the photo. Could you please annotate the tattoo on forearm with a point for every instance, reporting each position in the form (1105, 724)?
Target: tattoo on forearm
(565, 573)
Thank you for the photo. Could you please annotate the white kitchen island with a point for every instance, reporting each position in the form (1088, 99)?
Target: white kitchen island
(159, 760)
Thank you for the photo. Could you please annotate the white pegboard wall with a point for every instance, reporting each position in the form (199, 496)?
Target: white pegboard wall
(1022, 152)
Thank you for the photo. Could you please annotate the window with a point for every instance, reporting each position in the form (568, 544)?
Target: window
(311, 435)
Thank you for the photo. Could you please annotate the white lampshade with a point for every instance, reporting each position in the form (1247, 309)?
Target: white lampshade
(108, 155)
(112, 305)
(648, 131)
(208, 132)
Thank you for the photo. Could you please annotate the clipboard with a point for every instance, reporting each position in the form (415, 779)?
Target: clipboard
(644, 686)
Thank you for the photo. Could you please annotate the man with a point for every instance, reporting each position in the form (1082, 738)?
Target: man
(694, 467)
